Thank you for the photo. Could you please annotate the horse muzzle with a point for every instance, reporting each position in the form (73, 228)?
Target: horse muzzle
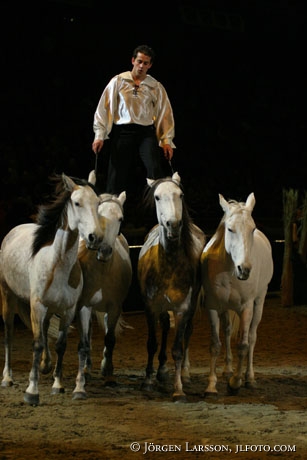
(104, 253)
(93, 241)
(242, 272)
(173, 230)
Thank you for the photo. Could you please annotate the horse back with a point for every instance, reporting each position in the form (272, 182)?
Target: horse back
(15, 255)
(263, 255)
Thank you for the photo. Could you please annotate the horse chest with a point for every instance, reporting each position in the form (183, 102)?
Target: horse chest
(163, 279)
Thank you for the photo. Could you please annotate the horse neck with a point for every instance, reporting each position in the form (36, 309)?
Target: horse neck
(216, 245)
(65, 244)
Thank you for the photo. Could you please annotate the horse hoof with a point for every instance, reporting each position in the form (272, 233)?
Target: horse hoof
(110, 383)
(147, 387)
(179, 398)
(211, 394)
(32, 400)
(7, 383)
(250, 385)
(57, 391)
(79, 395)
(232, 391)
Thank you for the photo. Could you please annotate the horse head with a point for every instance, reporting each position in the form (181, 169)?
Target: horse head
(111, 216)
(239, 233)
(82, 211)
(168, 197)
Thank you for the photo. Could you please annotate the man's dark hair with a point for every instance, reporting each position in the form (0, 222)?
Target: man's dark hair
(144, 49)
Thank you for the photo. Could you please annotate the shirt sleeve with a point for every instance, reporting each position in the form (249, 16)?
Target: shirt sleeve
(164, 118)
(106, 108)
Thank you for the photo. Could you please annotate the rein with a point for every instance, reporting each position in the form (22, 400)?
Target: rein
(96, 164)
(112, 200)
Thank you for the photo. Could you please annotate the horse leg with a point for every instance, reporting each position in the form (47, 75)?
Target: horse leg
(177, 354)
(83, 318)
(250, 381)
(235, 381)
(8, 315)
(152, 347)
(185, 372)
(38, 314)
(45, 364)
(215, 348)
(88, 361)
(60, 347)
(107, 368)
(162, 373)
(227, 328)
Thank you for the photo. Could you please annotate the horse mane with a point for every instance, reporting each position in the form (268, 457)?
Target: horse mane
(51, 216)
(104, 197)
(218, 236)
(187, 221)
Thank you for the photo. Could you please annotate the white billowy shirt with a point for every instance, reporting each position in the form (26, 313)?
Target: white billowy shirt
(122, 102)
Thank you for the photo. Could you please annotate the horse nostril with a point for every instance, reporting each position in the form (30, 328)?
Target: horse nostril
(105, 250)
(243, 272)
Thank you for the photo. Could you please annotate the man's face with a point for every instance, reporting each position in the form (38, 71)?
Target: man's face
(141, 63)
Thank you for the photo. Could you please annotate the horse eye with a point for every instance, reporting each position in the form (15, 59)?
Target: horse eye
(157, 198)
(230, 230)
(77, 204)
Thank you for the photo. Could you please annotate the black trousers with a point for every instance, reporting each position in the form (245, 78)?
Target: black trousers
(129, 144)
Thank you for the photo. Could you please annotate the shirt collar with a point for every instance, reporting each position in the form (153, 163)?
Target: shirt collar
(148, 80)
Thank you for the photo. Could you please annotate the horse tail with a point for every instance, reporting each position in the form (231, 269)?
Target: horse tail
(200, 303)
(54, 327)
(235, 323)
(120, 325)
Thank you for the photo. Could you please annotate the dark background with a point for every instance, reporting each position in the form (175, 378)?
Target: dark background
(233, 71)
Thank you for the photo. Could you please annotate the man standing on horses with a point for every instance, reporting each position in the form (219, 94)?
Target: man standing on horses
(135, 110)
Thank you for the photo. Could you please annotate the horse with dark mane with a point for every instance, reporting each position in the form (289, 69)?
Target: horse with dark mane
(169, 278)
(40, 275)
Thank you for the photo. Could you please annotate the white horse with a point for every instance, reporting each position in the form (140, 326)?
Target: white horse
(169, 277)
(40, 274)
(237, 267)
(107, 277)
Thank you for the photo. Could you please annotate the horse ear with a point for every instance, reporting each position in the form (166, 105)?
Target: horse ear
(92, 177)
(68, 183)
(176, 178)
(150, 182)
(250, 202)
(223, 203)
(122, 198)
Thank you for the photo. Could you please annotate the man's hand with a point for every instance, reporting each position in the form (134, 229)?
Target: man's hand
(97, 146)
(168, 151)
